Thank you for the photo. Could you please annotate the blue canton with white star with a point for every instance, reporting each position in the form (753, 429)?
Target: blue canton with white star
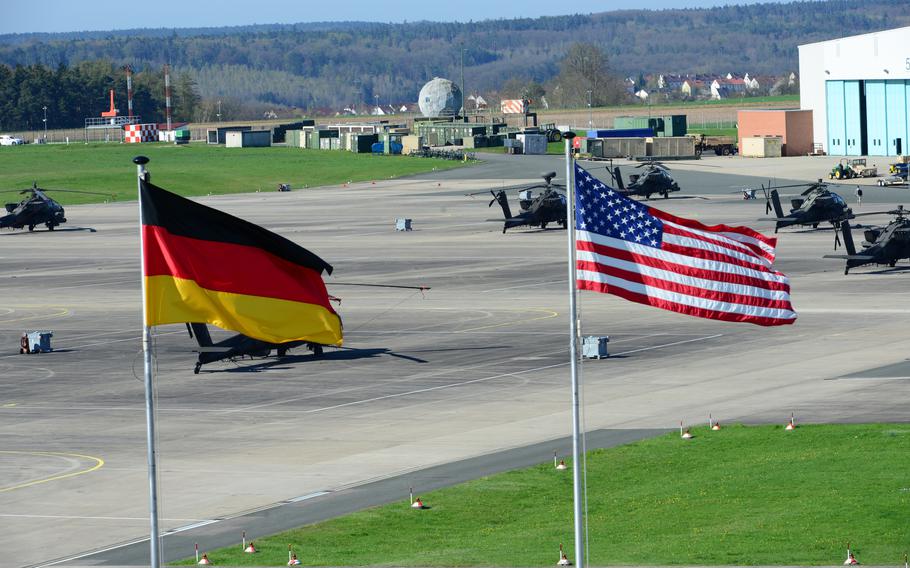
(602, 210)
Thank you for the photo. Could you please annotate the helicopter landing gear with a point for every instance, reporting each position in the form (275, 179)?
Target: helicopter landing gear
(543, 225)
(666, 195)
(31, 228)
(196, 368)
(891, 263)
(814, 225)
(50, 226)
(282, 351)
(846, 271)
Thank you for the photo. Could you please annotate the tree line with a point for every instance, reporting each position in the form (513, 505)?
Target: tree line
(332, 65)
(70, 94)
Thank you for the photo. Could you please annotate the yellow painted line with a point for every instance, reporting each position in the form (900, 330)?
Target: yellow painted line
(548, 314)
(9, 405)
(98, 463)
(62, 312)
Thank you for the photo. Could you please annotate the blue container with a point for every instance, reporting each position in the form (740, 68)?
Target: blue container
(379, 148)
(621, 133)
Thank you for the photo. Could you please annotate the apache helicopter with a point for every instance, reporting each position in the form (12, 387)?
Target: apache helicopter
(654, 179)
(238, 346)
(549, 206)
(37, 209)
(816, 205)
(884, 245)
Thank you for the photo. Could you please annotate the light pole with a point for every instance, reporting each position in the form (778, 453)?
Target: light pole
(44, 108)
(218, 114)
(464, 106)
(590, 109)
(376, 98)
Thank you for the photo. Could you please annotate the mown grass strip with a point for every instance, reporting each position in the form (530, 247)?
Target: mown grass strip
(739, 496)
(192, 170)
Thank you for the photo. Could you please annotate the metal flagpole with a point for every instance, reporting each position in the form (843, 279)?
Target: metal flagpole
(573, 352)
(140, 162)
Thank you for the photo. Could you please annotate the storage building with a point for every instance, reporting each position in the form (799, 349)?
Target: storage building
(794, 127)
(858, 89)
(248, 139)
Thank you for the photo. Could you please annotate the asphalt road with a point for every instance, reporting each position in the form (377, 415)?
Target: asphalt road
(429, 389)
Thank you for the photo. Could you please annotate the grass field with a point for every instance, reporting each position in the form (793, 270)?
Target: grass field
(740, 496)
(195, 169)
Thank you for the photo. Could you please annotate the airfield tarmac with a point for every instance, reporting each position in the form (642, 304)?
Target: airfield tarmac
(472, 368)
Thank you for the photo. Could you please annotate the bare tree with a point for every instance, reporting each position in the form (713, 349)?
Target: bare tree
(585, 68)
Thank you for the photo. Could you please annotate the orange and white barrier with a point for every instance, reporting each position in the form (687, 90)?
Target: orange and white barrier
(851, 560)
(791, 425)
(205, 560)
(563, 559)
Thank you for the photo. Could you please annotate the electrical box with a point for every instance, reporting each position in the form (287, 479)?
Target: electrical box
(595, 347)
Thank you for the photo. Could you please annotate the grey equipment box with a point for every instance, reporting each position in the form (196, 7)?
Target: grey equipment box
(594, 347)
(39, 341)
(402, 224)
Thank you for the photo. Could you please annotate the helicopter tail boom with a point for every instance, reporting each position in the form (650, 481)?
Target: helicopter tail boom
(500, 197)
(775, 201)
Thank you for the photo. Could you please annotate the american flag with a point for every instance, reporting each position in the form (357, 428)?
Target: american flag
(651, 257)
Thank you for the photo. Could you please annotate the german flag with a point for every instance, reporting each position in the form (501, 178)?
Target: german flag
(205, 266)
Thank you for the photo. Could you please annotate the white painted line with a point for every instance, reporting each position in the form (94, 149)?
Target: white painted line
(670, 344)
(192, 526)
(26, 516)
(305, 497)
(523, 286)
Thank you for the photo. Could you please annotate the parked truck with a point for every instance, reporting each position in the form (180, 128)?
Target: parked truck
(720, 145)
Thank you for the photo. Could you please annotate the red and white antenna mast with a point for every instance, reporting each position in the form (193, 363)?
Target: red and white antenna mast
(129, 91)
(167, 94)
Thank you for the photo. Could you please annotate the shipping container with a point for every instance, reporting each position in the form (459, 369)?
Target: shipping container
(676, 146)
(619, 147)
(762, 146)
(621, 133)
(217, 135)
(248, 139)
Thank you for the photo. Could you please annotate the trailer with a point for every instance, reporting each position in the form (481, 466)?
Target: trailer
(720, 145)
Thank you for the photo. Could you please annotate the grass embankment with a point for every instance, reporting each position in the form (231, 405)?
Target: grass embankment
(740, 496)
(195, 169)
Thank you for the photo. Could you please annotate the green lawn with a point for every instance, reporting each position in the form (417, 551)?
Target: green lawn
(740, 496)
(196, 169)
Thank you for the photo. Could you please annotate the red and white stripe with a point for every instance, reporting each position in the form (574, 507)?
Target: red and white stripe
(716, 272)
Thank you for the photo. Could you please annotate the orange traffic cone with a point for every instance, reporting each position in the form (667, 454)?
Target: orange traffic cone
(562, 465)
(791, 425)
(293, 561)
(418, 504)
(716, 426)
(851, 560)
(686, 435)
(251, 549)
(205, 559)
(563, 559)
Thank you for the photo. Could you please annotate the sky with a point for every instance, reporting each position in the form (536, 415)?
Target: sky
(20, 16)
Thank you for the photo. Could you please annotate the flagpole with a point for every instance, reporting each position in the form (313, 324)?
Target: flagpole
(573, 352)
(140, 162)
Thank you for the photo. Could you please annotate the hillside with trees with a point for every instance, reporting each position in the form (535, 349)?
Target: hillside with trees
(331, 65)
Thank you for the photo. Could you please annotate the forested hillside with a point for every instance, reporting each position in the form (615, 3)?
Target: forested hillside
(330, 65)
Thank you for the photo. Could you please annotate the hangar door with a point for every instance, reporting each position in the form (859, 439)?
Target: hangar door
(897, 98)
(846, 106)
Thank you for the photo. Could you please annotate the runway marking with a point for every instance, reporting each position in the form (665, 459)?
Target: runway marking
(549, 314)
(869, 378)
(78, 517)
(98, 464)
(308, 496)
(256, 407)
(9, 405)
(523, 286)
(190, 526)
(94, 284)
(61, 313)
(670, 344)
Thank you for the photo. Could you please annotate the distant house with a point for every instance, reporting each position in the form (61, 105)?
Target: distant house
(692, 87)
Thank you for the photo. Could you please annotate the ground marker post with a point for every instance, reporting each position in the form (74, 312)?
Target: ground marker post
(197, 551)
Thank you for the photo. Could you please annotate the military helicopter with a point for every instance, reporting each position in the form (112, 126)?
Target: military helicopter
(37, 209)
(549, 206)
(884, 245)
(654, 179)
(239, 345)
(816, 205)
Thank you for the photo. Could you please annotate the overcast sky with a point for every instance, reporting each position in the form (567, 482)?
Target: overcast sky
(19, 16)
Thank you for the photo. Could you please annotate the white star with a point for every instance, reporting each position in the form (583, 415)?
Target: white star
(653, 243)
(637, 238)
